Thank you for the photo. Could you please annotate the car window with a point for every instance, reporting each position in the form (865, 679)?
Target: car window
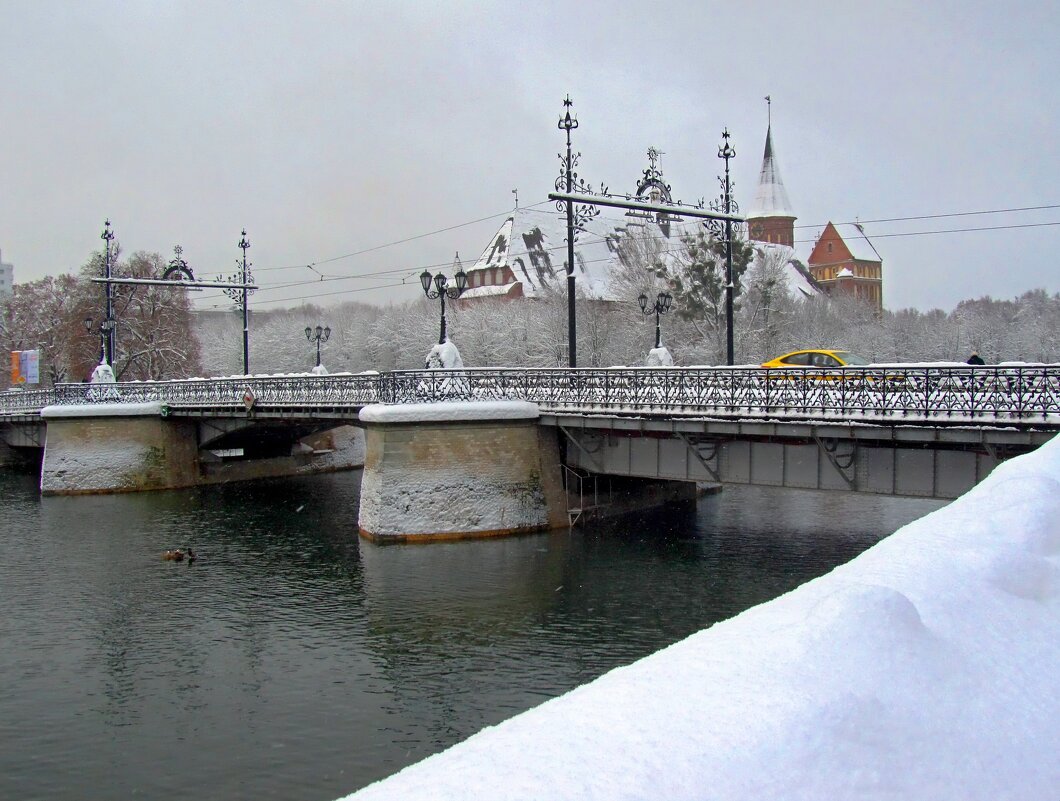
(852, 358)
(799, 359)
(824, 360)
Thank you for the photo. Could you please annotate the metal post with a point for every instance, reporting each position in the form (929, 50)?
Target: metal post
(661, 306)
(727, 152)
(107, 236)
(437, 286)
(441, 334)
(320, 335)
(244, 243)
(568, 124)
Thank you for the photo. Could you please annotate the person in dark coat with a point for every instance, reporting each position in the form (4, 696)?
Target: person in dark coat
(975, 358)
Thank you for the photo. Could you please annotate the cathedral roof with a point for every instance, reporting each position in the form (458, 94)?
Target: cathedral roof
(771, 199)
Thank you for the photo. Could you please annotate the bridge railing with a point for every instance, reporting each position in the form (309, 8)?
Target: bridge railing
(913, 393)
(898, 392)
(321, 391)
(27, 401)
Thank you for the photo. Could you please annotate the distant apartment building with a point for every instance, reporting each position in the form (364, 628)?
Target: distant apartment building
(7, 278)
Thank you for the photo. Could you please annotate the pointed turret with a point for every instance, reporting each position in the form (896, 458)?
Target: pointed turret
(770, 218)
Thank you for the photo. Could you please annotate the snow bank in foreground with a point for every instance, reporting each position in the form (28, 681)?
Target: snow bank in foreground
(924, 669)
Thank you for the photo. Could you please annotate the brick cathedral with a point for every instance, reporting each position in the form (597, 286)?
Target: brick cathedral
(841, 262)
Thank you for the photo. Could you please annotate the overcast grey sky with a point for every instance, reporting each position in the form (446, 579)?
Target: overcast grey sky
(327, 128)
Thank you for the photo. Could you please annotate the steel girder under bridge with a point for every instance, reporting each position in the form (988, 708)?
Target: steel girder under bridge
(916, 461)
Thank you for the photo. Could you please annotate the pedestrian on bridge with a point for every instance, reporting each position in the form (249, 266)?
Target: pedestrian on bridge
(975, 358)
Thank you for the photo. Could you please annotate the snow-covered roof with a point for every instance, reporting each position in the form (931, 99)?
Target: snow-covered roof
(532, 243)
(859, 245)
(771, 198)
(488, 291)
(797, 279)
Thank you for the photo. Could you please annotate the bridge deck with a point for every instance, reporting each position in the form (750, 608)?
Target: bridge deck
(1025, 397)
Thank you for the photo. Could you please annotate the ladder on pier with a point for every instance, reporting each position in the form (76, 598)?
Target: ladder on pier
(583, 494)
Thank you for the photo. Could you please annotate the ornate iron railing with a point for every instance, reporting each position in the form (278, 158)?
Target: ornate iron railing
(1016, 395)
(25, 401)
(1022, 394)
(300, 391)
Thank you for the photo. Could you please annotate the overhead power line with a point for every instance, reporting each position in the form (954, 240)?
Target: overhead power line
(395, 242)
(408, 272)
(937, 216)
(954, 230)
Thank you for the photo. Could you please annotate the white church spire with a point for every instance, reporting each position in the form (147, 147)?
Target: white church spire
(771, 199)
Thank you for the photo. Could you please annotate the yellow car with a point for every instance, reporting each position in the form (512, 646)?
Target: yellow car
(819, 358)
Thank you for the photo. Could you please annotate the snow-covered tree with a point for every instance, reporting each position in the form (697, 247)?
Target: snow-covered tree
(39, 316)
(152, 336)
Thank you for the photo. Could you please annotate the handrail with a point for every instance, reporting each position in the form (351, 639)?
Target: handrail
(904, 394)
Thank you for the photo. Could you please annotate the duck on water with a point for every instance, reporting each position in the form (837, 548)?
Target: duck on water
(179, 555)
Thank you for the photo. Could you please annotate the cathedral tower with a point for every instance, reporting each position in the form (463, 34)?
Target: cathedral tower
(770, 218)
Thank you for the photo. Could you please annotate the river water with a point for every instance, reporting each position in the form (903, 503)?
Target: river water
(292, 660)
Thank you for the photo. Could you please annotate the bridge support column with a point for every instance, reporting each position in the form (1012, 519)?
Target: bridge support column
(116, 448)
(445, 471)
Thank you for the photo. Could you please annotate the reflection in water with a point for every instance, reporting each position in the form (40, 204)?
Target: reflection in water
(295, 660)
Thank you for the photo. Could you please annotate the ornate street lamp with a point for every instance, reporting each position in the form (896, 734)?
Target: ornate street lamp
(728, 206)
(726, 151)
(105, 328)
(442, 290)
(239, 294)
(108, 354)
(577, 215)
(661, 306)
(320, 335)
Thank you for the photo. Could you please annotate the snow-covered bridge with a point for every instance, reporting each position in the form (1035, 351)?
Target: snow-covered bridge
(1023, 396)
(920, 430)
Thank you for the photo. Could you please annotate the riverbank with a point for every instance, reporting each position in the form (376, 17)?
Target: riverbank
(923, 669)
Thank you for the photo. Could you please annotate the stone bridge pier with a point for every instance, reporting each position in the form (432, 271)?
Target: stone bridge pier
(443, 471)
(130, 447)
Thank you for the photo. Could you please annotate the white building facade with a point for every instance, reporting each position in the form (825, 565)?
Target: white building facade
(7, 278)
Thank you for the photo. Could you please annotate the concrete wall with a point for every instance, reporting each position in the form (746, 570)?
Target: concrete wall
(135, 452)
(118, 454)
(451, 480)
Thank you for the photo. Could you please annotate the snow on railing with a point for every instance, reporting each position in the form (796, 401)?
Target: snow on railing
(25, 401)
(1023, 394)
